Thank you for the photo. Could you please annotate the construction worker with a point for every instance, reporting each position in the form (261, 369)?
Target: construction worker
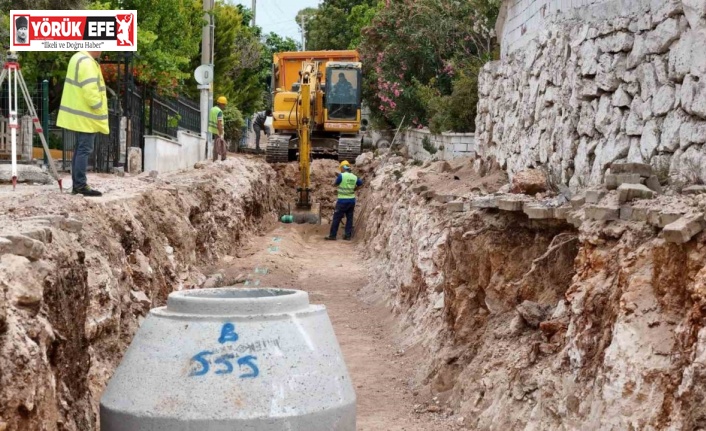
(215, 127)
(343, 90)
(84, 110)
(347, 183)
(259, 125)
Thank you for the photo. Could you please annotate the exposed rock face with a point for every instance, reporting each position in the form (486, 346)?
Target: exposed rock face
(67, 314)
(543, 326)
(588, 92)
(529, 182)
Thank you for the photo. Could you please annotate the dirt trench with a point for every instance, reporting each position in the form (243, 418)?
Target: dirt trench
(529, 324)
(498, 322)
(93, 269)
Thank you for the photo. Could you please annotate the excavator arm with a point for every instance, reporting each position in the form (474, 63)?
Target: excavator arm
(305, 125)
(306, 211)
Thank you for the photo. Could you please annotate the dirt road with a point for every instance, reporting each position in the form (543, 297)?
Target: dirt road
(297, 256)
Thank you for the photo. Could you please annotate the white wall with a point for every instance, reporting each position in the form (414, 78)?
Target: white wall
(520, 21)
(167, 155)
(616, 81)
(449, 145)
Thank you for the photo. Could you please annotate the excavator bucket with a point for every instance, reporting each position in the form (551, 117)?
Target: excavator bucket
(303, 215)
(310, 216)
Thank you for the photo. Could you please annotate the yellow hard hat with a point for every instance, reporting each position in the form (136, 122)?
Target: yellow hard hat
(344, 164)
(222, 100)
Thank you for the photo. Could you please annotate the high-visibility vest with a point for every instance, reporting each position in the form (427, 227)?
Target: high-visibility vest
(84, 104)
(346, 190)
(213, 119)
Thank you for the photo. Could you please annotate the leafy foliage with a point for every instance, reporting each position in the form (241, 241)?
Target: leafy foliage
(237, 56)
(233, 123)
(330, 27)
(169, 33)
(420, 58)
(273, 43)
(455, 111)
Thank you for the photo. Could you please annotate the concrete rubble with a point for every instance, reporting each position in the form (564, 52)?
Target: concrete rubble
(26, 174)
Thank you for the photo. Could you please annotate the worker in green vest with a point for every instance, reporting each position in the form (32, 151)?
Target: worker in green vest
(83, 110)
(347, 183)
(215, 127)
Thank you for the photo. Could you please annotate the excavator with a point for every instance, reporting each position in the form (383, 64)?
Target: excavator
(319, 116)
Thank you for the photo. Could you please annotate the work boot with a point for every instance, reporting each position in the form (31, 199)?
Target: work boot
(330, 238)
(347, 237)
(86, 191)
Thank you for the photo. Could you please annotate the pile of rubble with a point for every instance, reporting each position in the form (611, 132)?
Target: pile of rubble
(631, 192)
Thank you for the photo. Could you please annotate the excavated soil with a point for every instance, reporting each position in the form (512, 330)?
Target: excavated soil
(323, 174)
(87, 271)
(536, 325)
(475, 319)
(79, 280)
(297, 256)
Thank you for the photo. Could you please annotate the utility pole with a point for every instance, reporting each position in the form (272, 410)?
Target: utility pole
(254, 12)
(206, 59)
(303, 32)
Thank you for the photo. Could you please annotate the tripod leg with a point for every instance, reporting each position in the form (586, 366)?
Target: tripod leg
(38, 128)
(12, 96)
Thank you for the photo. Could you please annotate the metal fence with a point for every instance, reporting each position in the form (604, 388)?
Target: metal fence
(145, 112)
(35, 94)
(168, 115)
(189, 114)
(164, 117)
(134, 111)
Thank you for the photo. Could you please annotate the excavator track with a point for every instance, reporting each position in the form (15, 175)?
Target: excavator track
(277, 149)
(349, 148)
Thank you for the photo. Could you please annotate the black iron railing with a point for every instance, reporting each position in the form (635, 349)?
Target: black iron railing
(164, 117)
(189, 114)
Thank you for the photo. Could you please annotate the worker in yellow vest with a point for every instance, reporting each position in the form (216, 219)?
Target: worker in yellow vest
(84, 110)
(347, 183)
(215, 127)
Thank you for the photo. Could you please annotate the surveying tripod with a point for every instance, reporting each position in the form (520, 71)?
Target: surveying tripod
(11, 71)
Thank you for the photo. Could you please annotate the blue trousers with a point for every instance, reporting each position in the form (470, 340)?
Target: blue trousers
(79, 161)
(343, 208)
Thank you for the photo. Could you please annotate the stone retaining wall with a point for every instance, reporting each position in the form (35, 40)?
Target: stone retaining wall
(447, 146)
(586, 93)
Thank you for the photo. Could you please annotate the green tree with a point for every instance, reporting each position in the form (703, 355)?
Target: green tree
(415, 52)
(361, 16)
(330, 27)
(237, 55)
(169, 32)
(305, 15)
(6, 5)
(274, 43)
(233, 124)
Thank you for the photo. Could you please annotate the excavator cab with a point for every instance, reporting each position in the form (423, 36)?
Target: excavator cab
(343, 93)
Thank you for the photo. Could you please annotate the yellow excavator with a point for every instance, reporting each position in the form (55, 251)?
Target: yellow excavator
(317, 115)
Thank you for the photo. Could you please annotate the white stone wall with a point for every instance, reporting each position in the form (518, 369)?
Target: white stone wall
(520, 21)
(586, 92)
(167, 155)
(448, 145)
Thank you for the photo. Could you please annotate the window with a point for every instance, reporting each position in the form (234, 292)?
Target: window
(342, 93)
